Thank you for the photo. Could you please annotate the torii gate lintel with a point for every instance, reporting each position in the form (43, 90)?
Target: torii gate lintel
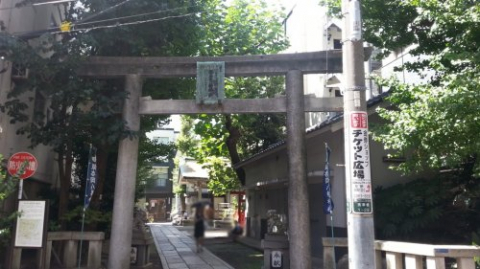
(329, 61)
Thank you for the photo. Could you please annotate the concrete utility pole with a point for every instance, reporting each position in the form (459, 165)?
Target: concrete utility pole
(124, 197)
(360, 229)
(298, 210)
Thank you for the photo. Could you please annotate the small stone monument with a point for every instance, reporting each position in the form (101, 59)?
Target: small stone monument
(275, 244)
(142, 240)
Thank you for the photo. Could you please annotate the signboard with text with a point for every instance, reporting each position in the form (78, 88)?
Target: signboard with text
(361, 187)
(210, 83)
(30, 226)
(276, 259)
(22, 161)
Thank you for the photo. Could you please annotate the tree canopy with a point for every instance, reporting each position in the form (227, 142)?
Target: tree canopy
(239, 28)
(76, 111)
(434, 122)
(7, 187)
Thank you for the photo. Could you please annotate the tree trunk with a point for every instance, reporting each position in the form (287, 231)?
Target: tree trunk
(232, 140)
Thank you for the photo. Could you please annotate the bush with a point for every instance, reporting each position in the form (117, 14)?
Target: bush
(436, 211)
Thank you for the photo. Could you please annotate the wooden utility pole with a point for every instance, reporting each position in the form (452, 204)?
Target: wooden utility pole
(360, 229)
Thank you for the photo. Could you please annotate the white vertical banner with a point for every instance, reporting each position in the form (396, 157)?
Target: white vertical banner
(360, 172)
(91, 181)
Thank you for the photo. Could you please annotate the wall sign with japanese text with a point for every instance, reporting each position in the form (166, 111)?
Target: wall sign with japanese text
(276, 259)
(359, 158)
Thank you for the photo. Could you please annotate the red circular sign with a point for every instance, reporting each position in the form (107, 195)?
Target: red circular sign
(18, 160)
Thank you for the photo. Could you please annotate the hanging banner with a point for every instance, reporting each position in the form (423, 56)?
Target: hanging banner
(359, 158)
(91, 176)
(327, 195)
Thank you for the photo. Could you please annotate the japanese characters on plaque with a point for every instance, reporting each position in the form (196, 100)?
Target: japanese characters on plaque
(210, 83)
(361, 181)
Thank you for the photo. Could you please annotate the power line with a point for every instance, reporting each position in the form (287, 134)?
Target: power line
(129, 17)
(104, 11)
(128, 23)
(55, 30)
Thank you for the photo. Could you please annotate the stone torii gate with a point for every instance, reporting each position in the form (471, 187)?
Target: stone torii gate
(293, 66)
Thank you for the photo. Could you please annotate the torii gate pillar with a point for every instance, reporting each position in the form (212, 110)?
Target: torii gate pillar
(298, 208)
(124, 198)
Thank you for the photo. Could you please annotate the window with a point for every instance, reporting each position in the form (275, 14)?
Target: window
(162, 140)
(19, 72)
(338, 93)
(337, 44)
(161, 176)
(161, 182)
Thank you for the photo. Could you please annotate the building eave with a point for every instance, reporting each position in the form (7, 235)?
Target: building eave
(310, 132)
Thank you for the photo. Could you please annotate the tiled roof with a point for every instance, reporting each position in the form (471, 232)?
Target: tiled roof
(373, 101)
(191, 169)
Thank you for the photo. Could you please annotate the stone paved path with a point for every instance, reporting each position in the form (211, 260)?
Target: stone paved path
(177, 250)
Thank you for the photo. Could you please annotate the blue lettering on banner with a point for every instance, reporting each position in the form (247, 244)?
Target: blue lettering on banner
(327, 195)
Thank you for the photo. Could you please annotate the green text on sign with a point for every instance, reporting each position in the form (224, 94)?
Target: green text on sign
(210, 82)
(362, 207)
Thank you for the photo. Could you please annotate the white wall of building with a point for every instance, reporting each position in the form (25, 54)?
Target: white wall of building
(163, 135)
(309, 29)
(397, 59)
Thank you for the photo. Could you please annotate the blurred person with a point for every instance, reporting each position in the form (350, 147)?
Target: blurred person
(199, 228)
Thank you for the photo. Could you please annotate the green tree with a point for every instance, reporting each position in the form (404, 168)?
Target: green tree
(239, 28)
(82, 111)
(431, 210)
(77, 109)
(434, 124)
(8, 185)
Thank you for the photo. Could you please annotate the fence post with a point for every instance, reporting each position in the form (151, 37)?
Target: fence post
(465, 263)
(328, 260)
(435, 263)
